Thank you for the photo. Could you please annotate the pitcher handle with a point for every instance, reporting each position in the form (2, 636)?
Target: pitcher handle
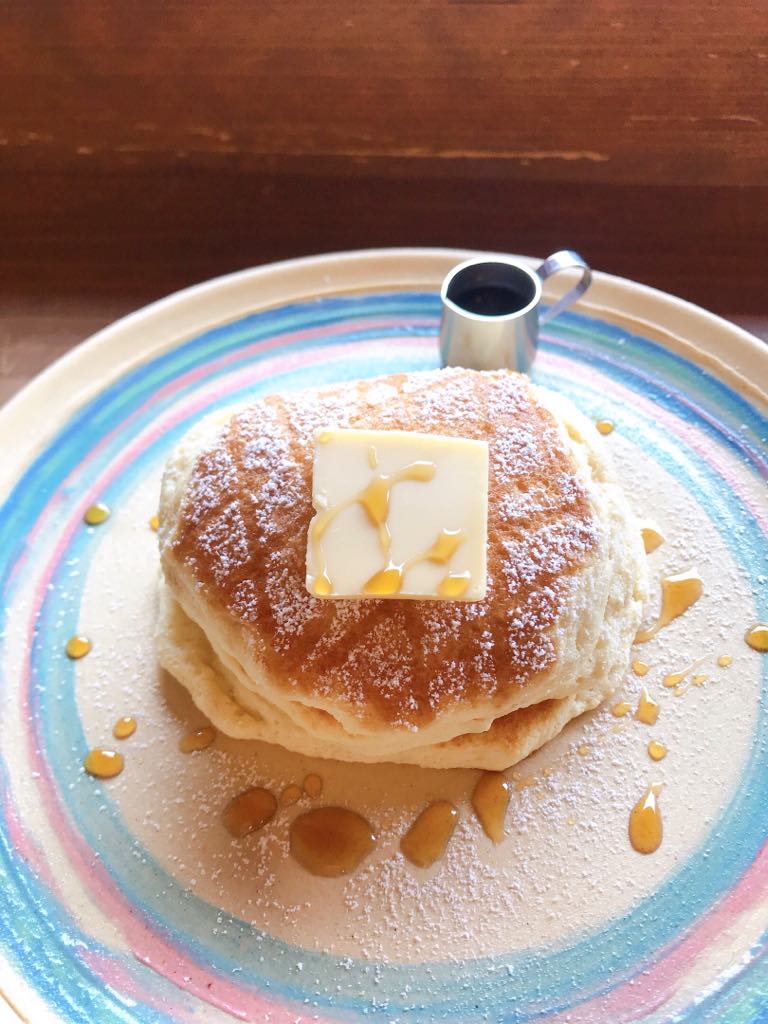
(566, 259)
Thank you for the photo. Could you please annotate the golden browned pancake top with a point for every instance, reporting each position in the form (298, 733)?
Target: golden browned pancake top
(243, 531)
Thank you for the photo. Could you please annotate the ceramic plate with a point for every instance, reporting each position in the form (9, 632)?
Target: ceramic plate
(126, 900)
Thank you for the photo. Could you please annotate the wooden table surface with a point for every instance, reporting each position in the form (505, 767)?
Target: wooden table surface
(146, 146)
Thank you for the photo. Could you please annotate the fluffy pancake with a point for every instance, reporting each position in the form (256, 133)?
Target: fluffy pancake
(391, 680)
(226, 699)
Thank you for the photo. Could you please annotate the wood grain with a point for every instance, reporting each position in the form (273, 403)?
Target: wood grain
(144, 234)
(146, 146)
(590, 92)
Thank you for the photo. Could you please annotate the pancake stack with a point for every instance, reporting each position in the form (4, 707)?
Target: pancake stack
(441, 684)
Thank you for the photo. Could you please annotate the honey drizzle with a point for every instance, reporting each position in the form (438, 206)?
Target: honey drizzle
(154, 523)
(490, 800)
(673, 679)
(389, 580)
(291, 795)
(678, 593)
(604, 427)
(697, 680)
(454, 585)
(645, 825)
(96, 514)
(640, 668)
(249, 811)
(426, 839)
(757, 638)
(77, 647)
(724, 660)
(621, 709)
(124, 727)
(375, 502)
(200, 739)
(103, 764)
(330, 841)
(647, 708)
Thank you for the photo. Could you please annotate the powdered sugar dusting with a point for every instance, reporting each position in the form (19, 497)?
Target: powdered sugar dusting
(243, 533)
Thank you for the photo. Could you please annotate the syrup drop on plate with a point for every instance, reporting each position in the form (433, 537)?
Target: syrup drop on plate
(490, 800)
(124, 727)
(96, 514)
(652, 538)
(647, 709)
(313, 786)
(330, 841)
(757, 638)
(645, 827)
(103, 764)
(426, 839)
(77, 647)
(249, 811)
(200, 739)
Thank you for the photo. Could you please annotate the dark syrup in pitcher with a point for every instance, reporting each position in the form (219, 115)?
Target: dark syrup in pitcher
(492, 299)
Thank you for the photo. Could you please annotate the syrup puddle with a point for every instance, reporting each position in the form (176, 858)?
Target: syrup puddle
(331, 841)
(426, 839)
(490, 800)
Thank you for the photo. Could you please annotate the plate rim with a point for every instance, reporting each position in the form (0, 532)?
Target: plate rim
(182, 314)
(683, 315)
